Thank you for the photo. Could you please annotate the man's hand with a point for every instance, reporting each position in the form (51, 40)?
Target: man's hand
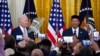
(59, 43)
(22, 44)
(75, 41)
(26, 38)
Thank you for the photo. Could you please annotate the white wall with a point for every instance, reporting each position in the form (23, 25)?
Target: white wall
(16, 9)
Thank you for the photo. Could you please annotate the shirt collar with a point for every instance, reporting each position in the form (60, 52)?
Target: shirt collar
(22, 28)
(75, 29)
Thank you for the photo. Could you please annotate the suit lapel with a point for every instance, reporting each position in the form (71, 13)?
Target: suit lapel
(71, 31)
(20, 31)
(80, 32)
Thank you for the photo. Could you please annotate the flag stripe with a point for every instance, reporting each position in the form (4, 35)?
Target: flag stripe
(52, 31)
(56, 23)
(51, 37)
(61, 30)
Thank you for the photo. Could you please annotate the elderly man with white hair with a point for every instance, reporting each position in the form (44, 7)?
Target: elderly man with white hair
(20, 33)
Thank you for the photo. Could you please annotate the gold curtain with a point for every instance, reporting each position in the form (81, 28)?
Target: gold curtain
(69, 8)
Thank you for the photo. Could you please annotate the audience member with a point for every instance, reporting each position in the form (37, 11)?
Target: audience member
(10, 44)
(26, 48)
(2, 43)
(86, 51)
(37, 52)
(45, 46)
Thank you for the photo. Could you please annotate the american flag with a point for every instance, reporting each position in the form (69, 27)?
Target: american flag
(87, 15)
(5, 18)
(56, 24)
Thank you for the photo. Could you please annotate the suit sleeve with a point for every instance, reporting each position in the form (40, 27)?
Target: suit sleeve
(63, 34)
(31, 35)
(13, 33)
(87, 35)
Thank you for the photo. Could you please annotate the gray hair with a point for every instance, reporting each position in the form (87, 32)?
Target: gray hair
(37, 52)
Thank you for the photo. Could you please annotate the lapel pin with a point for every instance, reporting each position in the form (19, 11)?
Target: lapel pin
(80, 32)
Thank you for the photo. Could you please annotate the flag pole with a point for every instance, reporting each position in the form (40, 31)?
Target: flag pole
(87, 14)
(28, 8)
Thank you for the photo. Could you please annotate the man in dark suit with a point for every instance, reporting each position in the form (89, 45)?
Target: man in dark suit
(79, 35)
(20, 33)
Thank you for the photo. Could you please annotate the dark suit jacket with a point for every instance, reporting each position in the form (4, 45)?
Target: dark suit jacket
(17, 31)
(83, 34)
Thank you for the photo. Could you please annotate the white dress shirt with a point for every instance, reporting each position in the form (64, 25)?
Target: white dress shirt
(24, 31)
(77, 31)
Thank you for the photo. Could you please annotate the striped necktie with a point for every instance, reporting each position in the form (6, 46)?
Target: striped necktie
(75, 33)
